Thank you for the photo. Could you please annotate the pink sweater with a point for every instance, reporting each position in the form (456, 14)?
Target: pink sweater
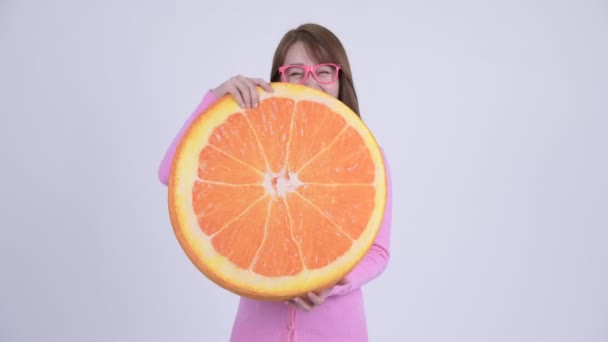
(340, 318)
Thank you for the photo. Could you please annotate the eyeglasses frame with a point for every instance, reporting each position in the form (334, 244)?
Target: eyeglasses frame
(309, 69)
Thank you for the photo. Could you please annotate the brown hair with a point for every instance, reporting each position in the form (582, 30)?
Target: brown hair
(324, 47)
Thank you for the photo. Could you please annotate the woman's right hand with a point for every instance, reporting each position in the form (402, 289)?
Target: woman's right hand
(243, 89)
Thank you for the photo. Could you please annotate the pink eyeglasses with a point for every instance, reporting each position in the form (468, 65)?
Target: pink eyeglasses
(324, 73)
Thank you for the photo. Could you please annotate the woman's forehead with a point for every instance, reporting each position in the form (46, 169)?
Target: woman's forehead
(302, 52)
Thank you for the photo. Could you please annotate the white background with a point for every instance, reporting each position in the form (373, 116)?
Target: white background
(493, 114)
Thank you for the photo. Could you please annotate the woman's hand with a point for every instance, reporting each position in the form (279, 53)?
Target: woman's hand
(312, 300)
(243, 90)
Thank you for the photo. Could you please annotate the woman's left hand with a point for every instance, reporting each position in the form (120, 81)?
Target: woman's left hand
(312, 299)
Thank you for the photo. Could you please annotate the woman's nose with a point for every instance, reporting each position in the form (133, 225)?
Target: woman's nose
(311, 82)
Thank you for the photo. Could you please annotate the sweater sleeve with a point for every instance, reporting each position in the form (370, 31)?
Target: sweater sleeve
(376, 259)
(165, 165)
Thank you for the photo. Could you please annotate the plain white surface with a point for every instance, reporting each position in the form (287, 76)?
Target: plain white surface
(493, 116)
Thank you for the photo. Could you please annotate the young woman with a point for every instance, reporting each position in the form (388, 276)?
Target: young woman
(310, 55)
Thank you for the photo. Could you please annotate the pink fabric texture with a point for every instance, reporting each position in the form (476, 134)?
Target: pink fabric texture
(340, 318)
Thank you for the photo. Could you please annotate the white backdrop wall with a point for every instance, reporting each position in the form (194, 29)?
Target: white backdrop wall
(493, 115)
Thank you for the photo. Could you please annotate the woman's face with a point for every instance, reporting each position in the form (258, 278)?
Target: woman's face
(297, 54)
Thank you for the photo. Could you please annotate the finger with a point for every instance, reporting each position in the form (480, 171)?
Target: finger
(233, 90)
(243, 87)
(262, 83)
(252, 92)
(302, 304)
(317, 299)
